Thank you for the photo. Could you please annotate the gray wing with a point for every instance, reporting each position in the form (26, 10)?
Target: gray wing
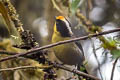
(80, 47)
(78, 44)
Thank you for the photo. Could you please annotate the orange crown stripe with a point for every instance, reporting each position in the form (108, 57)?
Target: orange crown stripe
(60, 17)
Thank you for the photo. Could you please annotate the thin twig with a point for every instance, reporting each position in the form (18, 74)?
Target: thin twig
(75, 71)
(94, 52)
(59, 43)
(25, 67)
(6, 52)
(56, 6)
(113, 69)
(46, 67)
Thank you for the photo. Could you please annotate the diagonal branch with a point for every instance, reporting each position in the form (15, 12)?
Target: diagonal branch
(56, 6)
(94, 52)
(59, 43)
(75, 71)
(54, 65)
(113, 69)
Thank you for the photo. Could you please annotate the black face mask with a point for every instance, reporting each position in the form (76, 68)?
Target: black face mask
(62, 28)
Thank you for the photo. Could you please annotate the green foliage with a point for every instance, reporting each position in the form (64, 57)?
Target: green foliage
(8, 25)
(6, 44)
(82, 68)
(115, 53)
(109, 44)
(74, 5)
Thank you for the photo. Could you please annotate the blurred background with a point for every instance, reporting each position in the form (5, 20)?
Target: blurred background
(38, 17)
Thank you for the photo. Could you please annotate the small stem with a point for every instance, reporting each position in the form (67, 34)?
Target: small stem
(56, 6)
(75, 71)
(94, 52)
(113, 69)
(25, 67)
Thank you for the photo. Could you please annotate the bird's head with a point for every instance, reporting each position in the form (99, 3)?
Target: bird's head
(62, 26)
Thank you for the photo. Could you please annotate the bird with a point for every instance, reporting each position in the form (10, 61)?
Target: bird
(69, 53)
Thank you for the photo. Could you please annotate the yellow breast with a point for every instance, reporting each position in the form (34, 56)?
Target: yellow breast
(66, 53)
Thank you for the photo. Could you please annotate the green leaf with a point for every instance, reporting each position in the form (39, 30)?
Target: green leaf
(109, 44)
(115, 53)
(82, 69)
(74, 6)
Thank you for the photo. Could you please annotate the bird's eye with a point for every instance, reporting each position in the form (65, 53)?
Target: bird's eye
(58, 22)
